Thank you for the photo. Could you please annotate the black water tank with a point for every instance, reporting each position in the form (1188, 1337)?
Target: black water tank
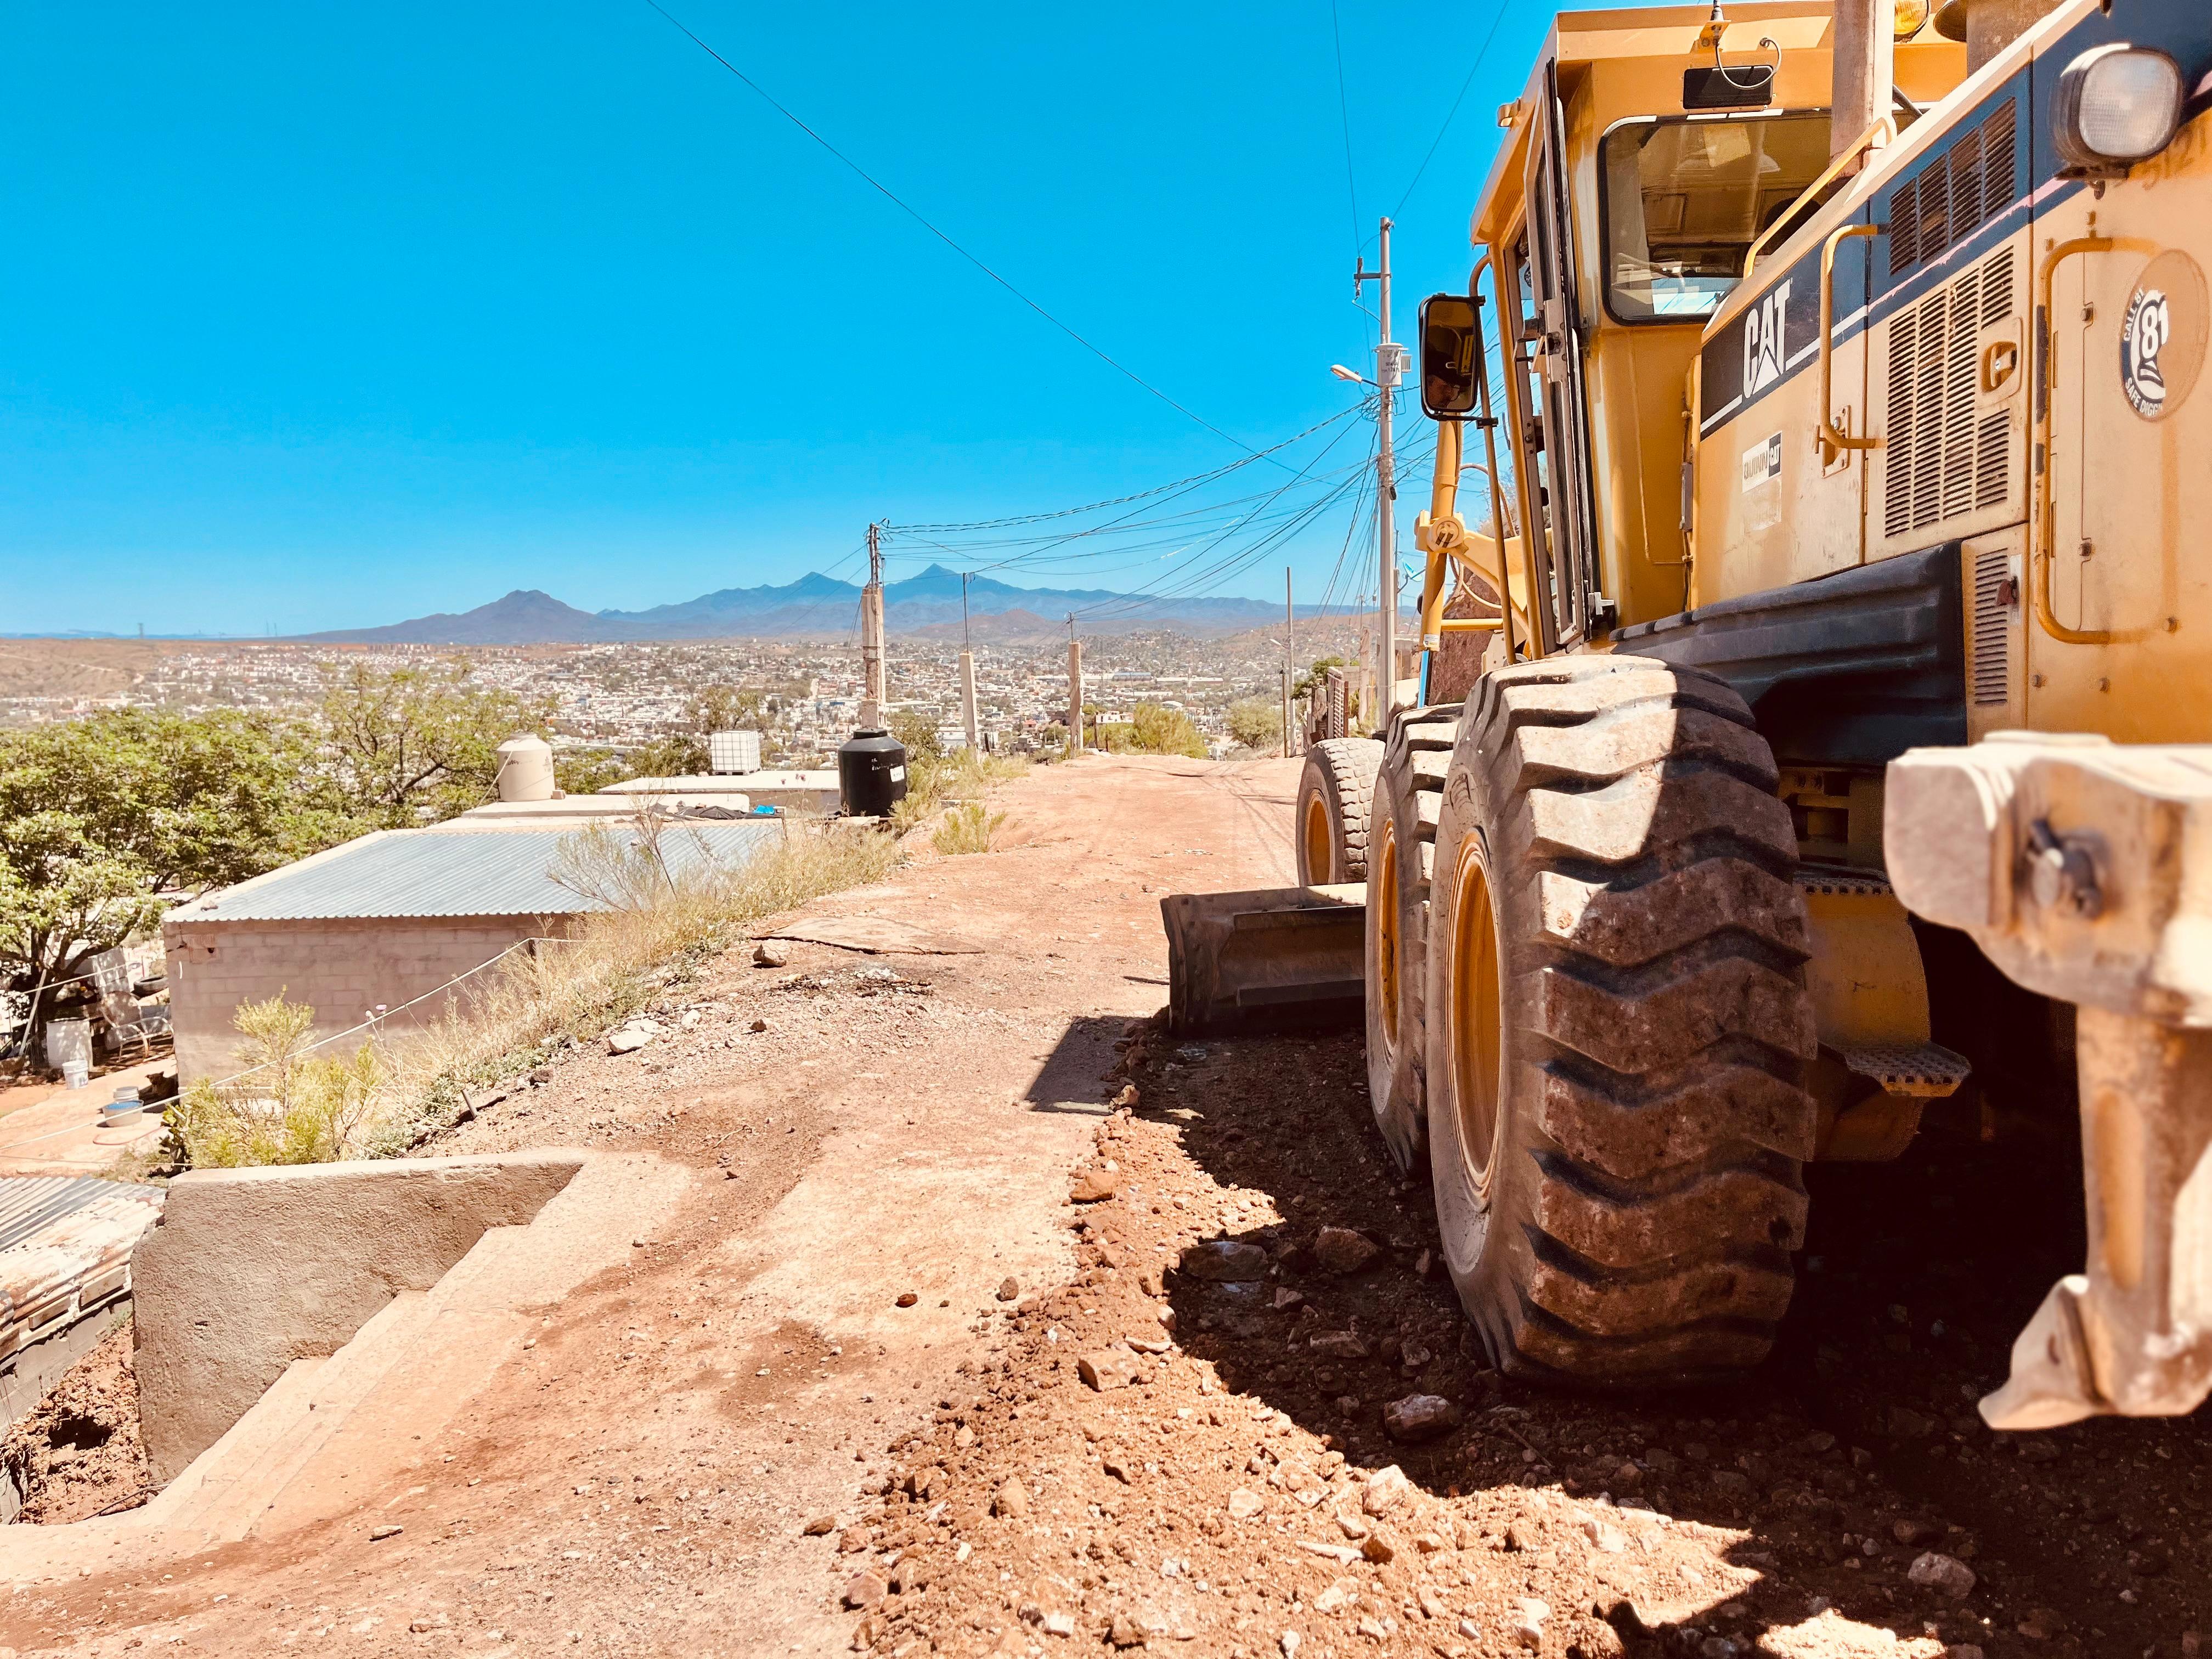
(871, 774)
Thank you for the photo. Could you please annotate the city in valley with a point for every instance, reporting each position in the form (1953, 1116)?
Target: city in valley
(616, 698)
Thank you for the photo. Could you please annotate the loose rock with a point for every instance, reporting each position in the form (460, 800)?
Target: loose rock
(1226, 1261)
(1941, 1572)
(1243, 1505)
(1387, 1488)
(863, 1590)
(770, 954)
(377, 1534)
(628, 1040)
(820, 1526)
(1529, 1618)
(1011, 1501)
(1009, 1290)
(1094, 1185)
(907, 1298)
(1107, 1368)
(1419, 1417)
(1340, 1250)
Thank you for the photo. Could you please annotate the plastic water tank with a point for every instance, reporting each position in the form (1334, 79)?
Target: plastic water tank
(871, 774)
(526, 768)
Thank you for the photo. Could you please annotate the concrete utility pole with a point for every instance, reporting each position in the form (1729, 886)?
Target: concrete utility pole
(1386, 484)
(967, 672)
(1864, 69)
(1290, 652)
(873, 684)
(1075, 689)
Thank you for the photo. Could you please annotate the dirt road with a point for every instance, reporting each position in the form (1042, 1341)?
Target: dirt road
(1255, 1294)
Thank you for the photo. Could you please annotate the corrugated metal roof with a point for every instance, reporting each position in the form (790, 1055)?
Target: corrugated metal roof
(30, 1204)
(423, 872)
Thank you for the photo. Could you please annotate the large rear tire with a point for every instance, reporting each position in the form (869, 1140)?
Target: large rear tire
(1333, 792)
(1401, 843)
(1619, 1026)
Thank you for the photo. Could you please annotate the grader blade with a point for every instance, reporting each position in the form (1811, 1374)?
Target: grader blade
(1269, 958)
(2083, 869)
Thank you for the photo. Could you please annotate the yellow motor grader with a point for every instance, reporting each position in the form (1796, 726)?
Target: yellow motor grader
(1831, 377)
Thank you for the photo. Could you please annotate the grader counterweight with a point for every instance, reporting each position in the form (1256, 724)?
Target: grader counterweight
(1841, 439)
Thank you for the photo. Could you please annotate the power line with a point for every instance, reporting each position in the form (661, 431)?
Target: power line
(1119, 501)
(1344, 116)
(1481, 52)
(898, 202)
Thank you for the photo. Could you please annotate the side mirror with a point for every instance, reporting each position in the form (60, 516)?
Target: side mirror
(1452, 368)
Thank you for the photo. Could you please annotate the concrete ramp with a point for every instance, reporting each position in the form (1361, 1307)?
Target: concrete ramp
(331, 1429)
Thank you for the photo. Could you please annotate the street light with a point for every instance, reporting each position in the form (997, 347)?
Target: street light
(1344, 373)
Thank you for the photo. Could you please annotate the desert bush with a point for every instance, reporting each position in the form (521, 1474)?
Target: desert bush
(969, 828)
(287, 1106)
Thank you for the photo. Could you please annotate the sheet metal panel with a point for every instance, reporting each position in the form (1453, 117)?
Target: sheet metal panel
(488, 872)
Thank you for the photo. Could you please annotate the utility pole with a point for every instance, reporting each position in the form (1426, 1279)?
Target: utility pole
(1290, 627)
(872, 687)
(1386, 485)
(968, 673)
(1864, 69)
(1075, 689)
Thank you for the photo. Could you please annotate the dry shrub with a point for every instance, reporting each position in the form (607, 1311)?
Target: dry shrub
(289, 1106)
(932, 780)
(657, 927)
(662, 914)
(969, 828)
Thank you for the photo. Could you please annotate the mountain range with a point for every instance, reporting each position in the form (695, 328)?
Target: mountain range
(817, 606)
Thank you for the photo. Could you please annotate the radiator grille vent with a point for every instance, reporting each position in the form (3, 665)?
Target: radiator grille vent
(1993, 608)
(1945, 456)
(1956, 194)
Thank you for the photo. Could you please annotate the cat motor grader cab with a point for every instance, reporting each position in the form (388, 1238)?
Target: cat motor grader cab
(1834, 380)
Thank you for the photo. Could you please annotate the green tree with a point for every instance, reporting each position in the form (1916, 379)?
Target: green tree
(679, 755)
(1159, 729)
(587, 771)
(103, 820)
(919, 733)
(1314, 675)
(1256, 722)
(726, 709)
(408, 744)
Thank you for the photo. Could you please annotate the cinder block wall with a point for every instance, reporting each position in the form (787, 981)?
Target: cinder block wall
(343, 968)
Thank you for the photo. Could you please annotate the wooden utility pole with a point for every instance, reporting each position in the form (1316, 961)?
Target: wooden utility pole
(872, 684)
(968, 673)
(1075, 689)
(1863, 70)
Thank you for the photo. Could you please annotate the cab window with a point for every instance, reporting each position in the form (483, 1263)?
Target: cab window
(1685, 196)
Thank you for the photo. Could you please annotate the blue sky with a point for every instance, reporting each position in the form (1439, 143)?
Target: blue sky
(321, 317)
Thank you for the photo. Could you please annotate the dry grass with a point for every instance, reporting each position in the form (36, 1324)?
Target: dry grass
(653, 931)
(969, 828)
(656, 934)
(932, 781)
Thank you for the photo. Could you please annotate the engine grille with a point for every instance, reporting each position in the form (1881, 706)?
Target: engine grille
(1945, 458)
(1993, 610)
(1955, 195)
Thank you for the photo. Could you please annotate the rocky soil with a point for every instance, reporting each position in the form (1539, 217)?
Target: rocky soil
(1010, 1327)
(77, 1455)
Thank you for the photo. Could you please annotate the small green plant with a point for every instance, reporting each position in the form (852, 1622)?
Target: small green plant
(289, 1106)
(967, 828)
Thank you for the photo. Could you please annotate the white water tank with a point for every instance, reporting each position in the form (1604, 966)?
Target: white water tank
(526, 768)
(733, 751)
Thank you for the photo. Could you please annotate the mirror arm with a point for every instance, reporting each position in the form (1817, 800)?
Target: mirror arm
(1440, 530)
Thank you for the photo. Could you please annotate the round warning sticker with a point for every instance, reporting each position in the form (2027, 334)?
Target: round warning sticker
(2162, 335)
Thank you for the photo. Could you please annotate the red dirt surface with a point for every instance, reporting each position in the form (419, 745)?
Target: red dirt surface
(744, 1444)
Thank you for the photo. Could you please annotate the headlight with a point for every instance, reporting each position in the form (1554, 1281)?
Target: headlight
(2116, 104)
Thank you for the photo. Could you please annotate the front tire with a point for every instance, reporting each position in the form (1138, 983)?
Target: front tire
(1334, 794)
(1402, 843)
(1618, 1025)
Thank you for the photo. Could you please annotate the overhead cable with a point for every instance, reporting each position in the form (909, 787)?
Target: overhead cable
(898, 202)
